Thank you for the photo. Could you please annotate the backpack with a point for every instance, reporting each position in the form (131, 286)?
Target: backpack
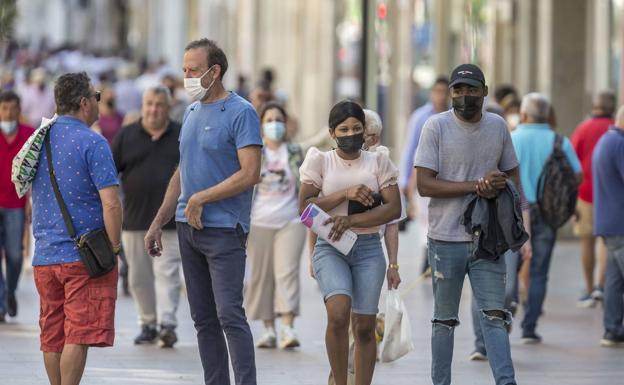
(557, 187)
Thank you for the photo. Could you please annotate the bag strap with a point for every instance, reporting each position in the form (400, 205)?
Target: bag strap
(558, 141)
(57, 192)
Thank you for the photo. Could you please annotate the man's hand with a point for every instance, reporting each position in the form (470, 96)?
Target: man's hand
(526, 251)
(193, 212)
(485, 189)
(362, 194)
(152, 240)
(28, 213)
(341, 224)
(496, 179)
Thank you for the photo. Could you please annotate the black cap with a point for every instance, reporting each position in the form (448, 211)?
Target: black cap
(467, 74)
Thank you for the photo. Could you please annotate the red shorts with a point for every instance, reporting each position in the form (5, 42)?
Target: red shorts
(75, 308)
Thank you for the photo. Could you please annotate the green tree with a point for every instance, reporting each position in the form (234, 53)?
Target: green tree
(8, 14)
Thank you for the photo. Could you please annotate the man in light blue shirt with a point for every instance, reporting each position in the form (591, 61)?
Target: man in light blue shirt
(534, 141)
(210, 195)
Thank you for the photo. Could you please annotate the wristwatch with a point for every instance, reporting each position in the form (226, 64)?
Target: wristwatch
(393, 266)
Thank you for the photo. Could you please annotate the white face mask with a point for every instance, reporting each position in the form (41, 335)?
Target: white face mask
(8, 127)
(194, 87)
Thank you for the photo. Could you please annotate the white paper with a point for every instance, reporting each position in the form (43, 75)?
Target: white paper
(313, 218)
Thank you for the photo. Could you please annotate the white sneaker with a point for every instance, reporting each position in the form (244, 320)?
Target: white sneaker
(268, 340)
(288, 338)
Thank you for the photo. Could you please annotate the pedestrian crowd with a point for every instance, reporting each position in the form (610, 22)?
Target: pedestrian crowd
(191, 183)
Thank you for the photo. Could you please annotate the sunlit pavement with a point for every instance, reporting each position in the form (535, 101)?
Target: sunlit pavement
(570, 353)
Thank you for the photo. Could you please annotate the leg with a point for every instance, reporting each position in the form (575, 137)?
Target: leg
(288, 246)
(488, 284)
(52, 362)
(167, 279)
(543, 241)
(448, 261)
(3, 293)
(476, 326)
(260, 290)
(140, 276)
(614, 286)
(588, 261)
(51, 320)
(337, 336)
(512, 264)
(368, 268)
(211, 342)
(602, 262)
(73, 360)
(13, 248)
(225, 252)
(365, 347)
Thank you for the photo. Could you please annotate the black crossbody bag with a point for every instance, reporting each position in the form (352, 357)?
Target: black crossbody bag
(96, 251)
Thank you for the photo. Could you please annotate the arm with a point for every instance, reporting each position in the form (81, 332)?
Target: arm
(391, 239)
(166, 211)
(244, 179)
(412, 205)
(308, 193)
(430, 186)
(111, 205)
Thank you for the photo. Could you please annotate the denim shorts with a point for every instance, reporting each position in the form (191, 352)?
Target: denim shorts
(359, 274)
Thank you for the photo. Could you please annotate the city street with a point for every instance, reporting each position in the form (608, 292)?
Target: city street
(569, 355)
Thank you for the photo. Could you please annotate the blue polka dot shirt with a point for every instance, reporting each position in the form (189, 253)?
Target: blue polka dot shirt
(83, 164)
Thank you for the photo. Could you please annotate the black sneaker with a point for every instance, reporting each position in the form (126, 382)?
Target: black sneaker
(530, 338)
(148, 335)
(12, 305)
(610, 339)
(167, 336)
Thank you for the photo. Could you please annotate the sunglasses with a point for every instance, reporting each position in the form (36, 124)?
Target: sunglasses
(97, 95)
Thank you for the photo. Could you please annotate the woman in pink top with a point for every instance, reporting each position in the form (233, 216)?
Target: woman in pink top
(337, 181)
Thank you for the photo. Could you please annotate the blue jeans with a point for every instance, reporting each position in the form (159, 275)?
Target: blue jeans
(512, 262)
(213, 260)
(542, 241)
(614, 285)
(11, 235)
(450, 262)
(359, 274)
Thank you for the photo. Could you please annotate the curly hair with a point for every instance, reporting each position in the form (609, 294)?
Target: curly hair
(69, 89)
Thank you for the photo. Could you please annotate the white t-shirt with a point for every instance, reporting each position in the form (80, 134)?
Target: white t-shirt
(275, 201)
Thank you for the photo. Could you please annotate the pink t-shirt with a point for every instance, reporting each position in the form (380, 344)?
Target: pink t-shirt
(330, 173)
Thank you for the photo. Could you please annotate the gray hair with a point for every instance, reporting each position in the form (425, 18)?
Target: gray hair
(372, 122)
(162, 90)
(536, 106)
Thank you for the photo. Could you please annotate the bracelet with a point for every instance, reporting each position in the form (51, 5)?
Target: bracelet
(393, 266)
(116, 249)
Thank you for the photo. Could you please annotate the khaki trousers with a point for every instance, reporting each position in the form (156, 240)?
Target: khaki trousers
(274, 256)
(154, 281)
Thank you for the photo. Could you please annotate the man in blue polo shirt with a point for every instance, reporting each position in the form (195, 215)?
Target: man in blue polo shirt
(608, 175)
(534, 141)
(219, 165)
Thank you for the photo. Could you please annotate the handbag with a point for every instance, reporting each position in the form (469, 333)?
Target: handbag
(355, 207)
(94, 247)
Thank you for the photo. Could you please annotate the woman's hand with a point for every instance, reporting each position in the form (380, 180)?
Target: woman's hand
(393, 278)
(341, 224)
(362, 194)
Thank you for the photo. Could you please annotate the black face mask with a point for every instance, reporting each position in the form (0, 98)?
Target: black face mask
(350, 144)
(468, 106)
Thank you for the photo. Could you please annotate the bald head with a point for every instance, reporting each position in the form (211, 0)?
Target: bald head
(604, 103)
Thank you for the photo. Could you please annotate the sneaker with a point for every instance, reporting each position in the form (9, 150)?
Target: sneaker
(167, 336)
(148, 335)
(610, 339)
(598, 294)
(530, 338)
(268, 340)
(586, 301)
(288, 338)
(478, 355)
(11, 305)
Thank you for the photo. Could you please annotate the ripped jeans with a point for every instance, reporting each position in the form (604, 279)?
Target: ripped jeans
(450, 262)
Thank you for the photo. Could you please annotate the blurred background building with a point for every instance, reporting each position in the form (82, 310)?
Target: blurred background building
(385, 53)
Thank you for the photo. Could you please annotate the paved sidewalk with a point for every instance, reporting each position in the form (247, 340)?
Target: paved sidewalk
(570, 353)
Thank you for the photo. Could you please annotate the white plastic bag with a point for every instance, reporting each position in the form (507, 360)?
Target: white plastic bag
(397, 330)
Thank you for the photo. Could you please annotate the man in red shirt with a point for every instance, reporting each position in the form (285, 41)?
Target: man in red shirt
(14, 211)
(584, 140)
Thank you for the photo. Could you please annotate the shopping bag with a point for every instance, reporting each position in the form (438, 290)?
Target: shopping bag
(397, 330)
